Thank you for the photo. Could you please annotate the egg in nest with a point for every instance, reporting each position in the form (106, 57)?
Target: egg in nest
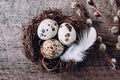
(51, 49)
(66, 34)
(47, 29)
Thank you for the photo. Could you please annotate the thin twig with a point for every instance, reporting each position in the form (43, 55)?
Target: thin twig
(109, 60)
(49, 70)
(81, 11)
(109, 37)
(115, 6)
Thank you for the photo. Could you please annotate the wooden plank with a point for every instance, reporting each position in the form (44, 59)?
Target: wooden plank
(13, 64)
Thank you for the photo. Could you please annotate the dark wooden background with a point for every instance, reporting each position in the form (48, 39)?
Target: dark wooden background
(15, 66)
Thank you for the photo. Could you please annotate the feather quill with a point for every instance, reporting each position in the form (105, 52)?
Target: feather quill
(77, 52)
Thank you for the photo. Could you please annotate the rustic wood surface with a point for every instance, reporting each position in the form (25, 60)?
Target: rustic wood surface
(13, 64)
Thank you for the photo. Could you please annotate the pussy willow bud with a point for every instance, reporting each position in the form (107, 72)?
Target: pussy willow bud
(114, 30)
(112, 2)
(118, 45)
(102, 47)
(118, 13)
(89, 21)
(99, 38)
(115, 19)
(113, 60)
(73, 4)
(119, 38)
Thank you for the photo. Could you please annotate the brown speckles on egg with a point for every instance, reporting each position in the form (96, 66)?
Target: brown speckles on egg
(53, 29)
(68, 26)
(55, 24)
(41, 34)
(55, 45)
(48, 24)
(67, 39)
(46, 29)
(43, 30)
(67, 35)
(51, 47)
(51, 26)
(44, 35)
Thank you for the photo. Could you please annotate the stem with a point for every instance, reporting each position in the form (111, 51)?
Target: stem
(81, 10)
(49, 70)
(109, 37)
(108, 43)
(115, 6)
(118, 71)
(109, 60)
(100, 14)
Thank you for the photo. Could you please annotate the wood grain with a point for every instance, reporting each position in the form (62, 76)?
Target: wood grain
(13, 15)
(14, 65)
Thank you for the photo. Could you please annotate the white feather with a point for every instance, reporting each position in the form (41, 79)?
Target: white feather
(76, 52)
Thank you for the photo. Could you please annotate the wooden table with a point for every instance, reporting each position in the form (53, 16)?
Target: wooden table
(13, 64)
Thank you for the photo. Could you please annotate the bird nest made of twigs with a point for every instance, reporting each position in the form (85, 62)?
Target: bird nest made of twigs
(32, 43)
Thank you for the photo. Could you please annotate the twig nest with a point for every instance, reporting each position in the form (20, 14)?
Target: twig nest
(52, 49)
(47, 29)
(41, 43)
(66, 34)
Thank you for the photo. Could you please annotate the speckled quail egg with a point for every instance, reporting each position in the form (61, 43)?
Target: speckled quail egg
(66, 34)
(51, 49)
(47, 29)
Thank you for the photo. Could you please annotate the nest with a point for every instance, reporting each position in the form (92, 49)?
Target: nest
(31, 42)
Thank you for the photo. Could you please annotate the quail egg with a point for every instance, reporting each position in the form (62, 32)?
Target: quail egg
(51, 49)
(47, 29)
(66, 34)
